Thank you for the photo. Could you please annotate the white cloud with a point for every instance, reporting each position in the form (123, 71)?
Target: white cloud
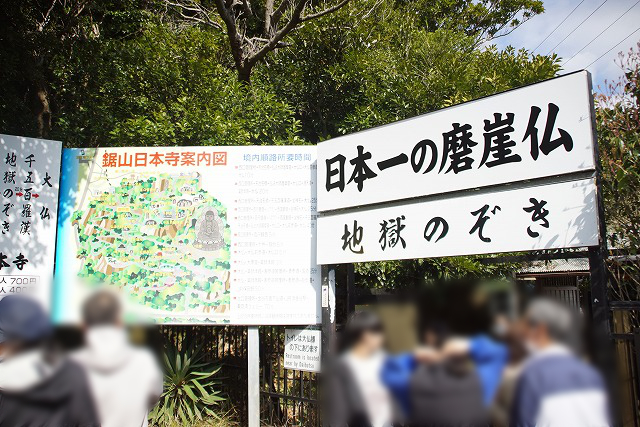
(531, 33)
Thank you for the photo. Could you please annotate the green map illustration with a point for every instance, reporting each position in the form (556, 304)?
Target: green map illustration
(162, 241)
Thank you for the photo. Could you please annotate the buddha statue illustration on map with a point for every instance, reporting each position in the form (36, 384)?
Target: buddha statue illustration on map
(208, 234)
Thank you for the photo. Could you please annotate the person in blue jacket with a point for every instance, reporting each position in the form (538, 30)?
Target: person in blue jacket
(488, 356)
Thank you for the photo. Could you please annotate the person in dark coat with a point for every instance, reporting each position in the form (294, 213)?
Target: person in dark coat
(39, 386)
(449, 382)
(447, 394)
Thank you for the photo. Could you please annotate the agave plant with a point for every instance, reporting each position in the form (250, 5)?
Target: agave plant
(189, 393)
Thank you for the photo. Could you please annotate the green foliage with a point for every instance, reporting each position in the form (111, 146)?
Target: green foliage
(618, 120)
(165, 87)
(189, 387)
(425, 272)
(379, 64)
(136, 72)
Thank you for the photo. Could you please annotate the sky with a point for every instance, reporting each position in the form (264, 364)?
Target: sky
(579, 33)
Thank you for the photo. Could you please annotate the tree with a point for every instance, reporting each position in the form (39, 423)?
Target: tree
(254, 29)
(373, 63)
(32, 35)
(618, 122)
(618, 119)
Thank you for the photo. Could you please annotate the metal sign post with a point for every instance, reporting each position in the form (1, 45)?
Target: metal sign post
(328, 318)
(253, 376)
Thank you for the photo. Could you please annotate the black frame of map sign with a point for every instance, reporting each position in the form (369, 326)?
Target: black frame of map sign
(432, 186)
(190, 235)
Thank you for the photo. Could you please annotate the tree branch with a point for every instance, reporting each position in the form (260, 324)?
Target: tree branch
(46, 16)
(194, 11)
(246, 6)
(275, 17)
(279, 35)
(268, 11)
(235, 40)
(324, 12)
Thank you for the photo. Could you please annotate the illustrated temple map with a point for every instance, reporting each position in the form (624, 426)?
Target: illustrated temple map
(189, 235)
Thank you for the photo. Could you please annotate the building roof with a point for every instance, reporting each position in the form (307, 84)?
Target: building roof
(556, 266)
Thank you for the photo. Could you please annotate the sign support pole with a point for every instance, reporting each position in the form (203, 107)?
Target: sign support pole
(328, 321)
(351, 289)
(253, 377)
(604, 354)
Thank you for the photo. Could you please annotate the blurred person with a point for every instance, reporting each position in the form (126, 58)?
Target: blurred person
(451, 384)
(509, 331)
(357, 396)
(398, 370)
(126, 381)
(39, 386)
(556, 388)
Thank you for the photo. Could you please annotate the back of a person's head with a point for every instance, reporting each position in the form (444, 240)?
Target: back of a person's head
(360, 322)
(559, 319)
(23, 321)
(435, 333)
(102, 309)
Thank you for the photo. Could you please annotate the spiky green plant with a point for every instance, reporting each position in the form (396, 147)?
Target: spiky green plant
(189, 387)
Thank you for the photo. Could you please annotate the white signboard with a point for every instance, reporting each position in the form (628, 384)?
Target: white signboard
(536, 131)
(561, 215)
(191, 234)
(302, 349)
(28, 215)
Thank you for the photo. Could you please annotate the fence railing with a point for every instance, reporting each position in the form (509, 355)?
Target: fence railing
(287, 397)
(626, 335)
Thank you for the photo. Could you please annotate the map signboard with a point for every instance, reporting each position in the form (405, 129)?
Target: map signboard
(537, 131)
(28, 213)
(191, 234)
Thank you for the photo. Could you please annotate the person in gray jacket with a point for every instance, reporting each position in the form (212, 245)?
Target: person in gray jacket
(126, 381)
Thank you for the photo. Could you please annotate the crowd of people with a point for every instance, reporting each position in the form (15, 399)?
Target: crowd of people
(526, 372)
(107, 383)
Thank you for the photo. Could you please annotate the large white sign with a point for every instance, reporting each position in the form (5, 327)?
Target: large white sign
(536, 131)
(302, 349)
(191, 234)
(28, 214)
(561, 215)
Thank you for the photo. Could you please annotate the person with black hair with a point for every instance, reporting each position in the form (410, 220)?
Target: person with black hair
(39, 386)
(357, 396)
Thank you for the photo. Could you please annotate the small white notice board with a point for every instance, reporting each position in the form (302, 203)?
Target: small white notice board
(302, 349)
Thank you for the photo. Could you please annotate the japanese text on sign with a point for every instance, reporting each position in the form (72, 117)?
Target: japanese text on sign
(490, 141)
(28, 213)
(302, 349)
(540, 217)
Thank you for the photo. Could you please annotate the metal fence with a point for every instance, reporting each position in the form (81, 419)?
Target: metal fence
(626, 335)
(226, 345)
(287, 397)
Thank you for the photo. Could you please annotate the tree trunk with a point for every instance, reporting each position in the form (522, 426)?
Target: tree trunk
(38, 96)
(244, 74)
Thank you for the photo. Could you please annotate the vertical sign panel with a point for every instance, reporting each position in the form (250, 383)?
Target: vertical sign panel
(191, 234)
(30, 177)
